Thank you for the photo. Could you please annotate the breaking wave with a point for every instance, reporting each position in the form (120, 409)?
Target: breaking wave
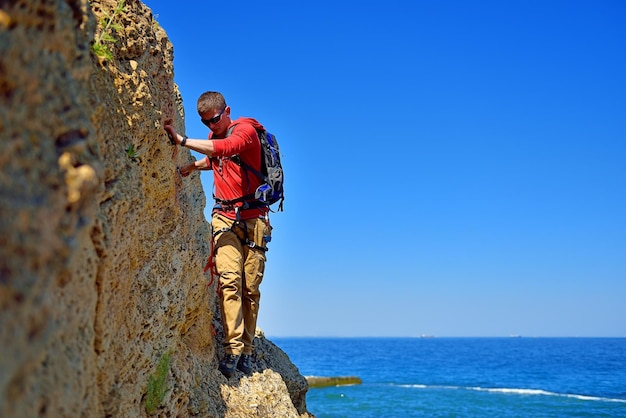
(516, 391)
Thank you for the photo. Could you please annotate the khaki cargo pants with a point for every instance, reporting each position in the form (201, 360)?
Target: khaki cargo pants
(240, 268)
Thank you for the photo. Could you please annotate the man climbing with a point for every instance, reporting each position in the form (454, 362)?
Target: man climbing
(241, 227)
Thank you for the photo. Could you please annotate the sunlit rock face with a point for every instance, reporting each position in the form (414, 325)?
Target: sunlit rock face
(103, 245)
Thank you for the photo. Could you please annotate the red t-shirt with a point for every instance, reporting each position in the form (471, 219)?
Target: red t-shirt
(230, 180)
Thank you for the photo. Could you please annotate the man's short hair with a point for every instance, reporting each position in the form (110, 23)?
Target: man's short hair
(210, 100)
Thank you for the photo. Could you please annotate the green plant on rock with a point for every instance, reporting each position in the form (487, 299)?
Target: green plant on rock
(132, 153)
(157, 385)
(100, 45)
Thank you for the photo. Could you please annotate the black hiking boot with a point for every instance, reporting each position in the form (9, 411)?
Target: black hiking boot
(228, 364)
(245, 363)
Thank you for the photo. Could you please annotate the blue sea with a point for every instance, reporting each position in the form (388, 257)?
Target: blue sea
(464, 377)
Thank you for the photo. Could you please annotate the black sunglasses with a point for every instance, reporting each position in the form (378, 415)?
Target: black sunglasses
(214, 119)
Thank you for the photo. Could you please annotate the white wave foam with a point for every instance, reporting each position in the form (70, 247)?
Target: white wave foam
(415, 386)
(514, 391)
(547, 393)
(593, 398)
(518, 391)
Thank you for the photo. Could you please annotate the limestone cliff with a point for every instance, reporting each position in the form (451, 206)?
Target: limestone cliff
(102, 243)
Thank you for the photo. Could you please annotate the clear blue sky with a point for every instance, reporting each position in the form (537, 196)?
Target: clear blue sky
(453, 168)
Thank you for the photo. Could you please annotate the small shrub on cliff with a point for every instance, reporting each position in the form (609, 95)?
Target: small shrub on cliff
(133, 153)
(99, 47)
(157, 387)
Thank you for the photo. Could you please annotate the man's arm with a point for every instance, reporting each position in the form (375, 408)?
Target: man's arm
(196, 165)
(200, 145)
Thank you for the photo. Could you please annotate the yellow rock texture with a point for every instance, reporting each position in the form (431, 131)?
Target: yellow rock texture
(102, 243)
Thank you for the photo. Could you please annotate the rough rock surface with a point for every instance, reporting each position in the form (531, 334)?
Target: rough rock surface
(102, 244)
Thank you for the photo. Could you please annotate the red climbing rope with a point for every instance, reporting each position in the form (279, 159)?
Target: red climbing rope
(211, 266)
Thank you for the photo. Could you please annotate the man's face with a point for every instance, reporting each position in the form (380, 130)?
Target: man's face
(217, 120)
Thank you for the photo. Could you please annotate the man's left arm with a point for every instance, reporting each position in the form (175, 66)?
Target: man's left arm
(202, 164)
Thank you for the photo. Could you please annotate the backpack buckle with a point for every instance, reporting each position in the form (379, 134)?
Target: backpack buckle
(263, 193)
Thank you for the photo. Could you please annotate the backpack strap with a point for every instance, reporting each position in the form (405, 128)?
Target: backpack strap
(249, 202)
(237, 159)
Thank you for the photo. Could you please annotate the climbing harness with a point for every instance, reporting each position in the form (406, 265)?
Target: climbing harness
(244, 227)
(211, 264)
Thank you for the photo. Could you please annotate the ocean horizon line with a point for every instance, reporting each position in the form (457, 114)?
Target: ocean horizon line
(428, 336)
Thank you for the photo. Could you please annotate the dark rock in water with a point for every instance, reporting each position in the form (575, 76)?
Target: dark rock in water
(321, 381)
